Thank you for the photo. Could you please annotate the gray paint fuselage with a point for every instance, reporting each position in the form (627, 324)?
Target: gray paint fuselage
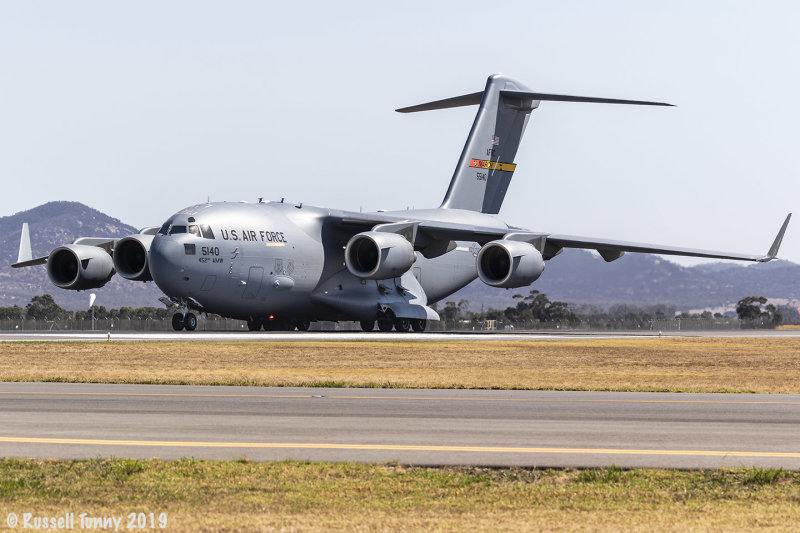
(270, 258)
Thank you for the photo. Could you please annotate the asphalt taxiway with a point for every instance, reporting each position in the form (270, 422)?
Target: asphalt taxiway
(426, 427)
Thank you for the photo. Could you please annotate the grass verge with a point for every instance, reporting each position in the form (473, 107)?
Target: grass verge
(296, 496)
(656, 364)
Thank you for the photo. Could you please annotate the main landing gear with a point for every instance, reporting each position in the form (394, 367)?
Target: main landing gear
(187, 321)
(389, 321)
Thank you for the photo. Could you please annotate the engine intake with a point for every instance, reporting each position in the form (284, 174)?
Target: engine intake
(130, 257)
(79, 267)
(509, 264)
(378, 255)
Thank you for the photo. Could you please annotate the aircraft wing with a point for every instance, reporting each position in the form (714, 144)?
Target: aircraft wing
(427, 234)
(25, 257)
(611, 250)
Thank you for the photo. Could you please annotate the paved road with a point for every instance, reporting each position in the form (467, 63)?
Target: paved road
(360, 336)
(411, 426)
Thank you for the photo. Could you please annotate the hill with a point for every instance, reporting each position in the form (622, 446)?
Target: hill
(54, 224)
(579, 276)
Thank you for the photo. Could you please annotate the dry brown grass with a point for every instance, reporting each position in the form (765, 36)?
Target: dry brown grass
(245, 496)
(703, 364)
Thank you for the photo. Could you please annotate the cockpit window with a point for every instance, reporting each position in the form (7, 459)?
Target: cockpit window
(177, 229)
(194, 230)
(206, 229)
(164, 229)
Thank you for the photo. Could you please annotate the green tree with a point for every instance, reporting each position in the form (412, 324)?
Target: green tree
(537, 307)
(11, 313)
(44, 307)
(752, 314)
(750, 308)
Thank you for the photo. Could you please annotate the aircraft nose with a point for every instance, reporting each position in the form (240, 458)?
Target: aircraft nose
(166, 264)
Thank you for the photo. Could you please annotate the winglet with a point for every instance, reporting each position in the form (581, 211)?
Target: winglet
(25, 253)
(25, 257)
(773, 250)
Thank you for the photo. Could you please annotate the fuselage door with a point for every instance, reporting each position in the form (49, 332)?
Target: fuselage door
(254, 279)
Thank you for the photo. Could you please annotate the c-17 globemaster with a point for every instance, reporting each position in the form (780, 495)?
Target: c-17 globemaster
(281, 266)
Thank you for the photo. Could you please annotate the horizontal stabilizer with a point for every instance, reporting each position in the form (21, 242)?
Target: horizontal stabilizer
(475, 99)
(456, 101)
(525, 95)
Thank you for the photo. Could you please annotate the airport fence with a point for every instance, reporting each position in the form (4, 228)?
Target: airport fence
(614, 324)
(229, 324)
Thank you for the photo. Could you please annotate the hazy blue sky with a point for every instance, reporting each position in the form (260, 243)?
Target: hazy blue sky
(141, 108)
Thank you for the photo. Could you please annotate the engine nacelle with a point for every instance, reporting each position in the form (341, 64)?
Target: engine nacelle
(79, 267)
(378, 255)
(509, 264)
(130, 257)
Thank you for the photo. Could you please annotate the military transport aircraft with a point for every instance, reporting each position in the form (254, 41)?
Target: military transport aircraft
(281, 266)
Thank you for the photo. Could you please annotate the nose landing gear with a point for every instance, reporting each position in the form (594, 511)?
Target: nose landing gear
(181, 321)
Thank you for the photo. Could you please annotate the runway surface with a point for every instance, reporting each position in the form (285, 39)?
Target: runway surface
(102, 336)
(426, 427)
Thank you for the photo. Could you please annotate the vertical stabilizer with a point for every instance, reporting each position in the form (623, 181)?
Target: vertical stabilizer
(486, 166)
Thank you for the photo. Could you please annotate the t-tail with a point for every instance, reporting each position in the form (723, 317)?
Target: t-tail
(486, 166)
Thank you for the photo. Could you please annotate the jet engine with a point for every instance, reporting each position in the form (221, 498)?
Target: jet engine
(79, 267)
(379, 255)
(509, 264)
(130, 257)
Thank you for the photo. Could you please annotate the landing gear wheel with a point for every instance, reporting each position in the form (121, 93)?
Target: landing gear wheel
(386, 322)
(402, 324)
(367, 325)
(190, 322)
(254, 324)
(418, 324)
(303, 324)
(177, 321)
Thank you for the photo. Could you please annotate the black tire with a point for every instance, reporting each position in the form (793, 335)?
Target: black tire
(254, 324)
(402, 324)
(190, 322)
(177, 321)
(367, 325)
(303, 324)
(386, 322)
(419, 324)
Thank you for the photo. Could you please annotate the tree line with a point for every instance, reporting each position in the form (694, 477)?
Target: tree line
(531, 310)
(536, 309)
(44, 307)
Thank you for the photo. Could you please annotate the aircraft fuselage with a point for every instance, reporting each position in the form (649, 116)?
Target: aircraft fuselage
(275, 258)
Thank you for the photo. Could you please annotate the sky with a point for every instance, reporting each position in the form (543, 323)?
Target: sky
(141, 108)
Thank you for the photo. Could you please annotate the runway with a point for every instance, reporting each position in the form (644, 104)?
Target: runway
(425, 427)
(316, 336)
